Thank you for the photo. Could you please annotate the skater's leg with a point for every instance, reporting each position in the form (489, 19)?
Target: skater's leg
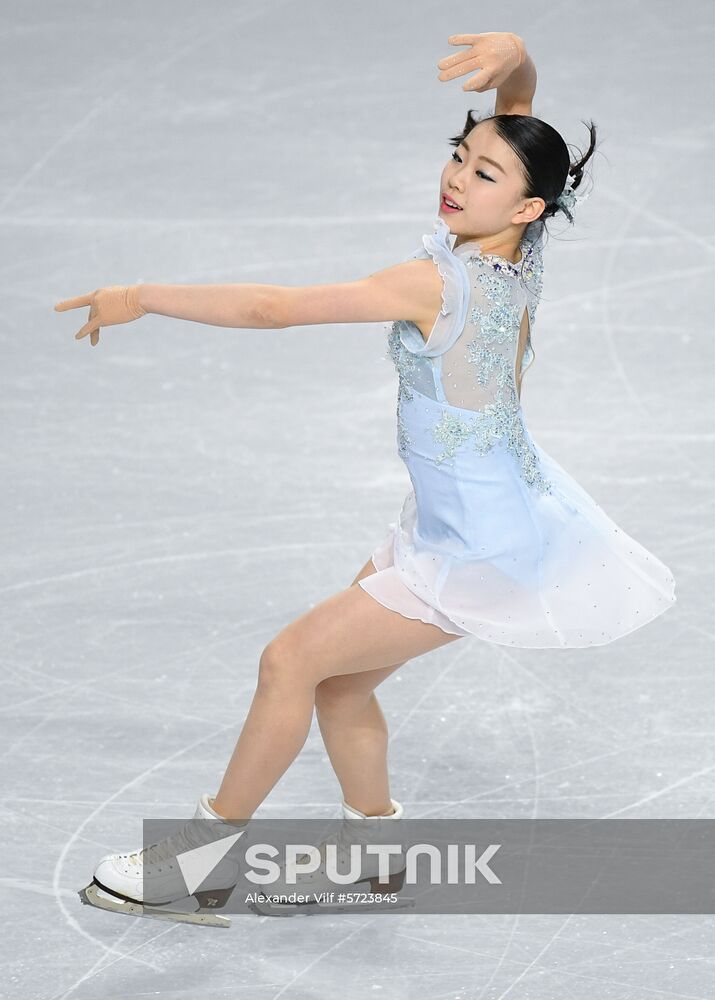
(347, 633)
(354, 732)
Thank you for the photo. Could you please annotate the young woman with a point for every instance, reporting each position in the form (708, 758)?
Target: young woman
(494, 539)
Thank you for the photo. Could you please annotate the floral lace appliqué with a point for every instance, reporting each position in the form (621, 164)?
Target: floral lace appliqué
(405, 365)
(495, 288)
(498, 420)
(489, 363)
(500, 325)
(403, 361)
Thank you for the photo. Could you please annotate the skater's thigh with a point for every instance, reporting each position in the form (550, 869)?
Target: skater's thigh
(362, 683)
(349, 632)
(367, 570)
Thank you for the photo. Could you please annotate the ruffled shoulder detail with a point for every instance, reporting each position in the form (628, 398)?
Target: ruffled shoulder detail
(455, 296)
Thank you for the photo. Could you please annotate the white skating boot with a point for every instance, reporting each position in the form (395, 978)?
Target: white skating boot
(156, 881)
(319, 893)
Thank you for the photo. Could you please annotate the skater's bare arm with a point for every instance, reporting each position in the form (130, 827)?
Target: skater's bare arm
(497, 59)
(515, 95)
(237, 305)
(410, 290)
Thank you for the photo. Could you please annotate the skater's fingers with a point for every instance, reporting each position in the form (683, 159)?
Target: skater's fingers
(456, 56)
(454, 64)
(470, 63)
(75, 303)
(94, 338)
(462, 40)
(88, 328)
(479, 83)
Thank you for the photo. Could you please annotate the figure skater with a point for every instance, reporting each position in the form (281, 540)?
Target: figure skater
(494, 539)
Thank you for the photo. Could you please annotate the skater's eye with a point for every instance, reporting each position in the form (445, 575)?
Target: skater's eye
(455, 154)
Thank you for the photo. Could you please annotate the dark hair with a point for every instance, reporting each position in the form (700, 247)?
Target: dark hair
(543, 153)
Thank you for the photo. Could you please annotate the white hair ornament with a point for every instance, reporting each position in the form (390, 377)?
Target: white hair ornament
(568, 199)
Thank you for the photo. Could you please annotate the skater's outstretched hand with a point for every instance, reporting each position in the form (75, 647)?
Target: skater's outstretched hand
(494, 54)
(107, 307)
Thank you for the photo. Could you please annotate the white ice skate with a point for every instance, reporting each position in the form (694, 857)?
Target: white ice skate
(168, 873)
(319, 893)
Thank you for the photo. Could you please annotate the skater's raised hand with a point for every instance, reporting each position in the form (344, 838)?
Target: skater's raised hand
(494, 54)
(107, 307)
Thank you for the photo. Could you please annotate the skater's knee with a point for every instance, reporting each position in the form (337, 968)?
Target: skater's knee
(272, 664)
(280, 665)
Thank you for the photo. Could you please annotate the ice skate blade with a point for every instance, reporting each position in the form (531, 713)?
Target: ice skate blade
(94, 895)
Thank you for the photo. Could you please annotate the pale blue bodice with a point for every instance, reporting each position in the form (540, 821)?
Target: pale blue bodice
(468, 364)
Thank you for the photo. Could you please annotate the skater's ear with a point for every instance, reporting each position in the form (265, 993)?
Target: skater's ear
(411, 290)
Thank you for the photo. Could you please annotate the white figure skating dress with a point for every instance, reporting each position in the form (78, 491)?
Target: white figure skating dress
(495, 539)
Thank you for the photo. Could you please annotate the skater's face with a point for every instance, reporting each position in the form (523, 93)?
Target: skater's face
(485, 178)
